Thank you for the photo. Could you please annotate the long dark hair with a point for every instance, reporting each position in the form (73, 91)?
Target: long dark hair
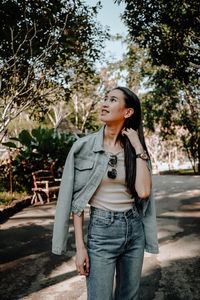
(134, 122)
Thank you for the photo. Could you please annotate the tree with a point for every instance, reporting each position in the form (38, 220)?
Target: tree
(168, 32)
(174, 107)
(86, 95)
(42, 44)
(87, 90)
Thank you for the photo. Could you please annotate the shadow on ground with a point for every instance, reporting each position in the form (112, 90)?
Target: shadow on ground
(177, 282)
(26, 261)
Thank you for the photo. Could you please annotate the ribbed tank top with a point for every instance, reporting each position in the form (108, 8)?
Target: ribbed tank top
(112, 194)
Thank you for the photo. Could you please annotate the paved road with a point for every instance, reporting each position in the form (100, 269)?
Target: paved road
(29, 271)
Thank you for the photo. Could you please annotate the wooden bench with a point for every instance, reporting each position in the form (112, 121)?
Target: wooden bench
(45, 182)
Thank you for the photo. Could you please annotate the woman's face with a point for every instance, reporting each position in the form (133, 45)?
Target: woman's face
(113, 109)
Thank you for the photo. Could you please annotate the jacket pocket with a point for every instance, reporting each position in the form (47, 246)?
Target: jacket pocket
(83, 164)
(83, 171)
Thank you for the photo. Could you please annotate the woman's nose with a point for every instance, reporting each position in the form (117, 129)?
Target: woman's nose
(105, 103)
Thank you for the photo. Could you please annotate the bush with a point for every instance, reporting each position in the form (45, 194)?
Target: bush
(4, 178)
(5, 198)
(40, 149)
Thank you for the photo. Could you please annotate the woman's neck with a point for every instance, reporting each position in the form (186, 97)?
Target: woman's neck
(110, 140)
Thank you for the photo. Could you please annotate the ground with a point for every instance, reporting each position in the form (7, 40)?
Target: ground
(29, 271)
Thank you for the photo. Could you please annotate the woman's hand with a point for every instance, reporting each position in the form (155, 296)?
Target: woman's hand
(82, 261)
(133, 138)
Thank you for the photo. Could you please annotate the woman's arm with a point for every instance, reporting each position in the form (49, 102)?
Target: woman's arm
(82, 259)
(143, 177)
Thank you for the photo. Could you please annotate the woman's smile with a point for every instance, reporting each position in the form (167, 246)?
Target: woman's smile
(104, 111)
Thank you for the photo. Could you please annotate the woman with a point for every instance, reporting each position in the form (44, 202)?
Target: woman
(110, 170)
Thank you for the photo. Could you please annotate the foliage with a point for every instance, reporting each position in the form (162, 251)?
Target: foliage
(43, 43)
(40, 149)
(6, 198)
(177, 172)
(168, 33)
(84, 100)
(44, 20)
(4, 178)
(165, 153)
(175, 108)
(84, 103)
(169, 30)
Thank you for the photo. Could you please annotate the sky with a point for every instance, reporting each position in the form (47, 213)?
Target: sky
(110, 15)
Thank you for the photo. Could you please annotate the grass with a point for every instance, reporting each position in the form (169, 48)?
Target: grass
(6, 198)
(178, 172)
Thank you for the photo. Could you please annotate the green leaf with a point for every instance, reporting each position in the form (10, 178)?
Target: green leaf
(14, 139)
(25, 138)
(10, 145)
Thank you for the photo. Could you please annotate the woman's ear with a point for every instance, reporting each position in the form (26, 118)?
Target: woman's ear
(129, 112)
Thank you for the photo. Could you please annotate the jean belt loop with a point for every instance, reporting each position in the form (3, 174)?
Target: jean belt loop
(90, 211)
(112, 216)
(133, 210)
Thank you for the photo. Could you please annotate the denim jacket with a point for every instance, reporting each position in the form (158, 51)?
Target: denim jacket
(84, 169)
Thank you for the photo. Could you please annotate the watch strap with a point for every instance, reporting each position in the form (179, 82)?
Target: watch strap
(142, 155)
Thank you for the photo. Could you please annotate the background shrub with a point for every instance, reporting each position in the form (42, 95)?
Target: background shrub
(41, 148)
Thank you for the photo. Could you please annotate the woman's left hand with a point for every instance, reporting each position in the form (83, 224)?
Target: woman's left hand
(133, 138)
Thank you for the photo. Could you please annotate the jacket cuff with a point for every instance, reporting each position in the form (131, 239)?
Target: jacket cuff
(150, 249)
(57, 251)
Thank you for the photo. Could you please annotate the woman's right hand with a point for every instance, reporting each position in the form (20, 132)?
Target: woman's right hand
(82, 261)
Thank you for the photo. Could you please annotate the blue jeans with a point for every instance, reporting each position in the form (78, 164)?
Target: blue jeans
(115, 243)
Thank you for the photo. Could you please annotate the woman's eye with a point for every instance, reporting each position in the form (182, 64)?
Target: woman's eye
(109, 100)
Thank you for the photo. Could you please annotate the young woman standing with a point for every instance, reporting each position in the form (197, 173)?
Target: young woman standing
(111, 172)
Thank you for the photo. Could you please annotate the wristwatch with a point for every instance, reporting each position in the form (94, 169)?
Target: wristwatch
(142, 155)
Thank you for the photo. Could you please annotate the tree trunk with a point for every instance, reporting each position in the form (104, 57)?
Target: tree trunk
(198, 159)
(10, 169)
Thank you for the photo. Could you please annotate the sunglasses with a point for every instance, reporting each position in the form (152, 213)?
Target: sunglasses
(112, 173)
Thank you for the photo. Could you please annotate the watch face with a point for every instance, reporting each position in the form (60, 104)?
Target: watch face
(144, 155)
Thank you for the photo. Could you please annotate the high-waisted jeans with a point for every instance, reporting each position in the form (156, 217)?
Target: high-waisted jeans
(115, 244)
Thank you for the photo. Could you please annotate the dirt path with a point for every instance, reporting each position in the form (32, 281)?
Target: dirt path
(29, 271)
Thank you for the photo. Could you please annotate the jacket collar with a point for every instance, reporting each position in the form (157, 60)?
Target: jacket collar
(98, 144)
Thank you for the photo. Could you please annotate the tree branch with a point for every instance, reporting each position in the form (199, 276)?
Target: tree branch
(26, 91)
(194, 65)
